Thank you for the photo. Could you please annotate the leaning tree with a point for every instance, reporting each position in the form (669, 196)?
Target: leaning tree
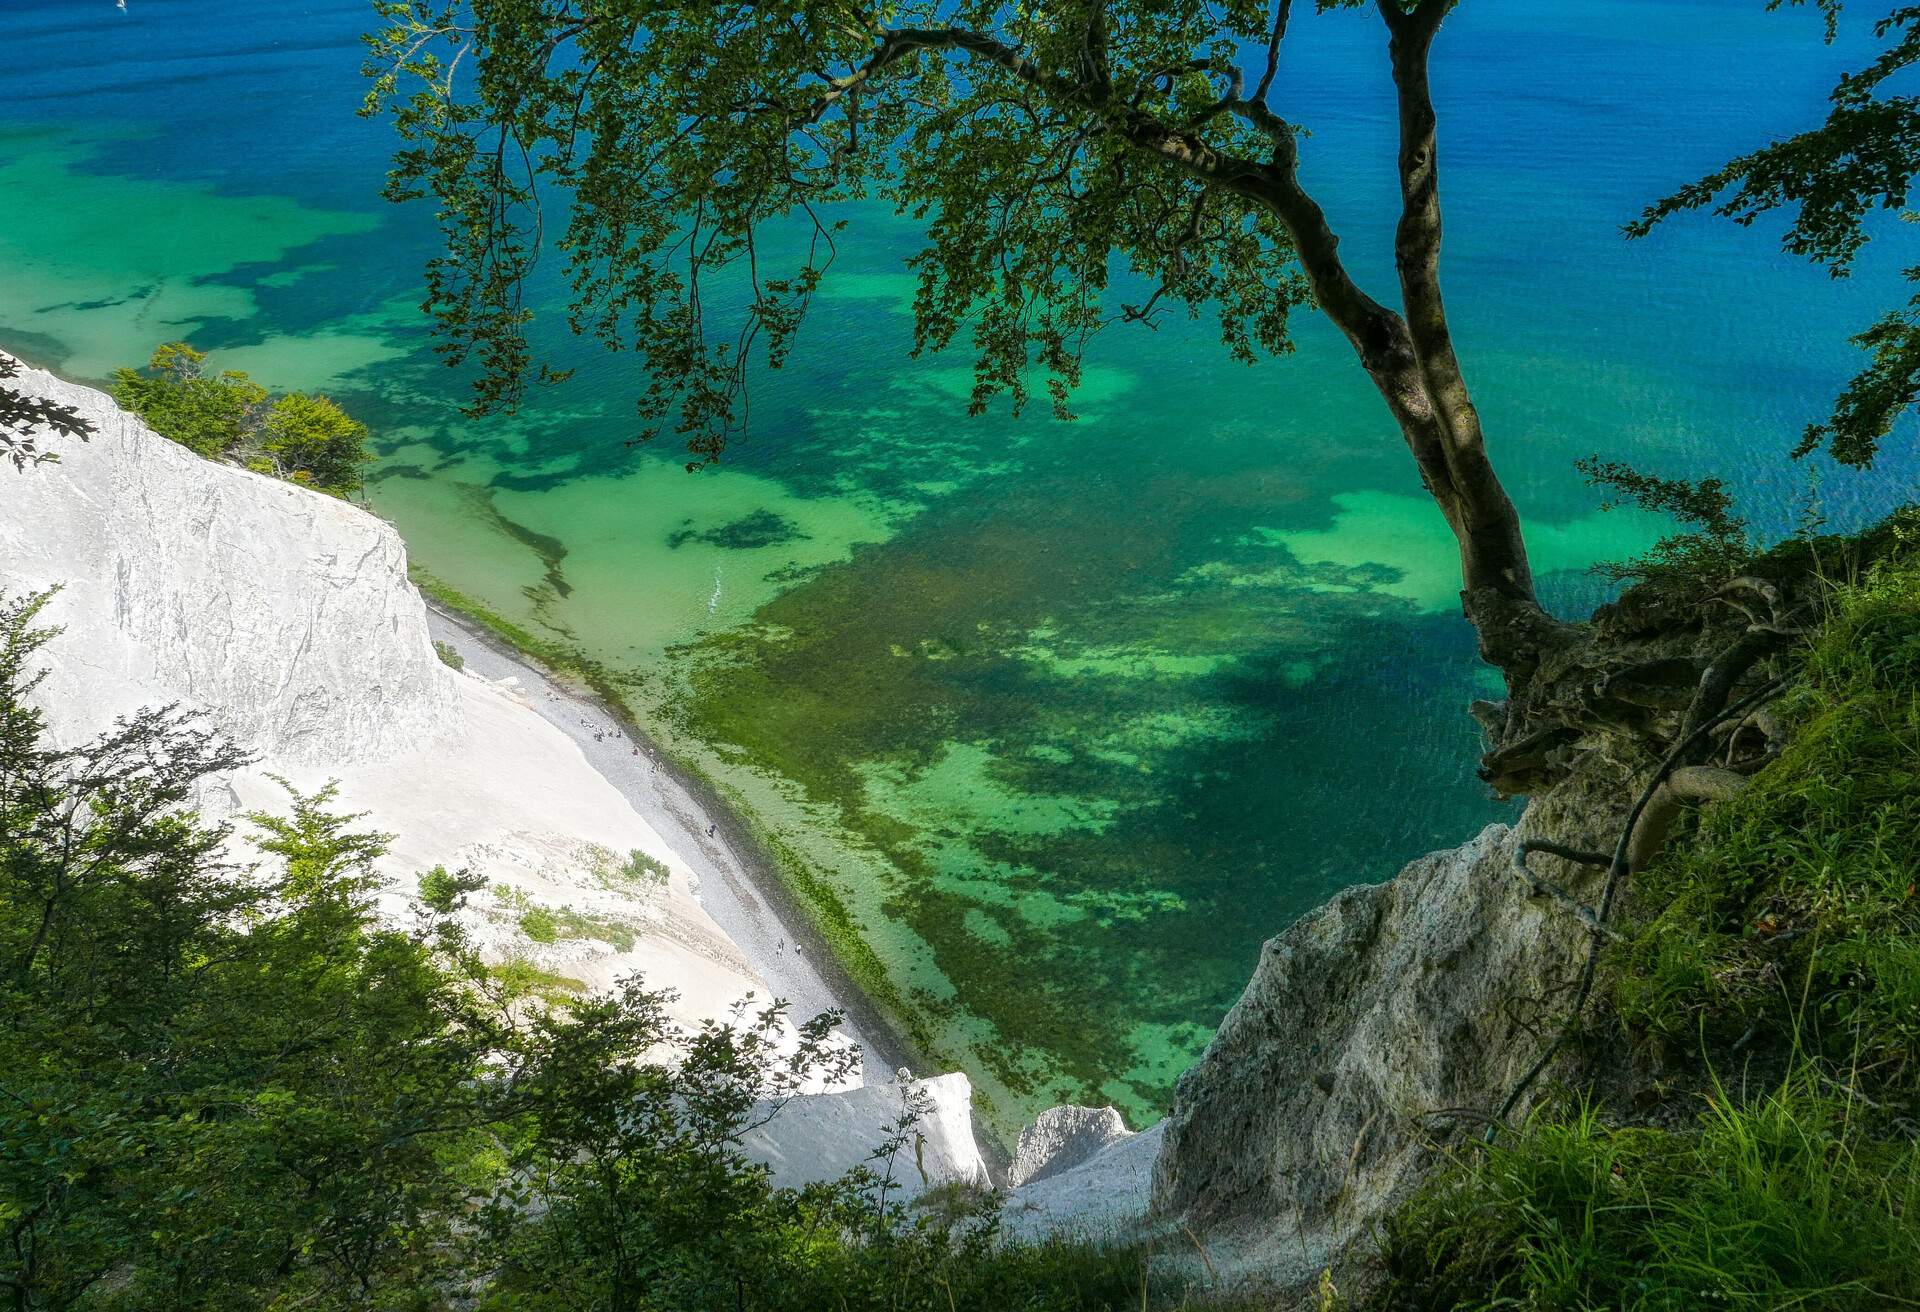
(1042, 146)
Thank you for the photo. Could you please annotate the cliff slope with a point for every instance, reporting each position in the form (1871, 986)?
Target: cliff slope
(287, 617)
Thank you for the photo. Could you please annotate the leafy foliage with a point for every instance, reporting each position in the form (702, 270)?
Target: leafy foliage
(311, 440)
(1715, 547)
(228, 416)
(21, 415)
(216, 1084)
(444, 892)
(227, 1085)
(643, 869)
(1832, 180)
(1040, 146)
(210, 416)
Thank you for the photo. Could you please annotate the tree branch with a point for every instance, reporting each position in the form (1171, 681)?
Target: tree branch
(1281, 13)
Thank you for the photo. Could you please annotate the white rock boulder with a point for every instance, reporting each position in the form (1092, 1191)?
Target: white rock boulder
(1061, 1138)
(1394, 1015)
(1105, 1196)
(823, 1136)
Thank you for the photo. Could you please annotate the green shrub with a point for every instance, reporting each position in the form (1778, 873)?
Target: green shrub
(1715, 545)
(540, 925)
(448, 655)
(552, 924)
(210, 416)
(311, 440)
(304, 439)
(444, 892)
(519, 980)
(644, 869)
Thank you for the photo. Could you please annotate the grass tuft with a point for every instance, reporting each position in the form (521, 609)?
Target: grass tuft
(1785, 1200)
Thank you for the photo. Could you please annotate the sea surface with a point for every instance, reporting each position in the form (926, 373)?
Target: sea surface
(1059, 720)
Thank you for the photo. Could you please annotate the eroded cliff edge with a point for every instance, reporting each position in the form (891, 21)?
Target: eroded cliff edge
(287, 617)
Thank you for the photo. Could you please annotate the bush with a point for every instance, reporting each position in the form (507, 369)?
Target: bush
(304, 439)
(539, 924)
(443, 892)
(311, 440)
(1714, 546)
(210, 416)
(641, 868)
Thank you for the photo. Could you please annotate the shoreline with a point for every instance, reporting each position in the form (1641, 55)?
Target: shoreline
(735, 882)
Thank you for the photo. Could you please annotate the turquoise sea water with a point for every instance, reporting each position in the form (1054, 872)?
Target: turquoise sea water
(1066, 718)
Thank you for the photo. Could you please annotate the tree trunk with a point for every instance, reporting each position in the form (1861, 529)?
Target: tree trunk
(1410, 358)
(1412, 362)
(1429, 402)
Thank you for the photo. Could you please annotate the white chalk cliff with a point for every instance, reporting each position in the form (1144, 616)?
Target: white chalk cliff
(288, 618)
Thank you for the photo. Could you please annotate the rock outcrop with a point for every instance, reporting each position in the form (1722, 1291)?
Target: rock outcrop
(823, 1136)
(1371, 1028)
(287, 615)
(1062, 1138)
(1103, 1197)
(1400, 1017)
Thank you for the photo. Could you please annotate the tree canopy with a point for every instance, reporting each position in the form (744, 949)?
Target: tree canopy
(1042, 148)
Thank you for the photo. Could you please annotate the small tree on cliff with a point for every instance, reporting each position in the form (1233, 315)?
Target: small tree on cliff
(227, 416)
(1036, 142)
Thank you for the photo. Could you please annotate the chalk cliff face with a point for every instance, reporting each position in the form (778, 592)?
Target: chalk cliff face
(287, 614)
(287, 617)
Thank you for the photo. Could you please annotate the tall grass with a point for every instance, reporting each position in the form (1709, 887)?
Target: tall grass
(1789, 1199)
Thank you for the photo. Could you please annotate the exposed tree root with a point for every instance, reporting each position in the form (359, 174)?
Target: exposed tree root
(1540, 884)
(1679, 784)
(1688, 783)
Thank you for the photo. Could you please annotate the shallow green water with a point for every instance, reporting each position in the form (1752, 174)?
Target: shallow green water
(1067, 716)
